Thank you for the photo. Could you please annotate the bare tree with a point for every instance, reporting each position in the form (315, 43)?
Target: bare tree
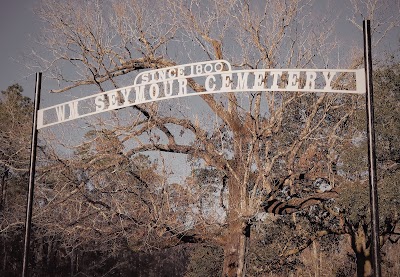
(263, 144)
(15, 130)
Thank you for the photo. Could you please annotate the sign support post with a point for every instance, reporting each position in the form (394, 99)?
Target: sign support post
(375, 257)
(32, 168)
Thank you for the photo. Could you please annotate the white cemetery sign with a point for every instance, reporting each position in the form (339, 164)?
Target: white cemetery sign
(210, 77)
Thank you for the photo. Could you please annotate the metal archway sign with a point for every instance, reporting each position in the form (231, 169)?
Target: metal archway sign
(211, 77)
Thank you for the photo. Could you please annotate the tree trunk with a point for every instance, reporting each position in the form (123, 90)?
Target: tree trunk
(362, 250)
(235, 249)
(72, 265)
(317, 255)
(237, 234)
(4, 253)
(364, 268)
(3, 189)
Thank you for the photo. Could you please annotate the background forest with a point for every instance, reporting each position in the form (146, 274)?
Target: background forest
(236, 184)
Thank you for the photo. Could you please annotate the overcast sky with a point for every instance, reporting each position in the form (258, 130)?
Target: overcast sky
(17, 25)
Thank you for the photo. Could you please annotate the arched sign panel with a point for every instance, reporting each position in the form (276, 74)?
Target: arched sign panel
(209, 77)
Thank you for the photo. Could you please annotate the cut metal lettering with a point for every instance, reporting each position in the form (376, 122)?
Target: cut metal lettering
(212, 76)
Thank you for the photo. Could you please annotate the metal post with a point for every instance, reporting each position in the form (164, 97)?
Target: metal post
(376, 265)
(28, 219)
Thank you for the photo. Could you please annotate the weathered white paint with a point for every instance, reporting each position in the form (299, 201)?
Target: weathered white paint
(214, 76)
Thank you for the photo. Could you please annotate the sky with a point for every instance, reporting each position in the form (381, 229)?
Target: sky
(18, 26)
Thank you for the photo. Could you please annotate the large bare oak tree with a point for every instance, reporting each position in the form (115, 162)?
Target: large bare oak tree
(263, 144)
